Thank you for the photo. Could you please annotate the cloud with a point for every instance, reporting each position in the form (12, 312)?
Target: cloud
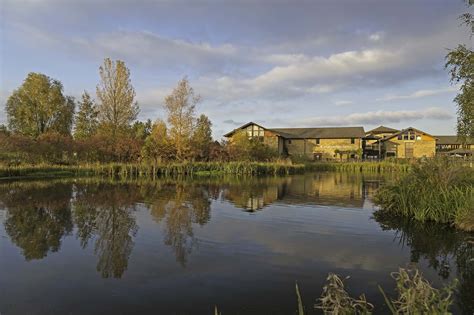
(233, 122)
(378, 117)
(417, 94)
(375, 37)
(343, 102)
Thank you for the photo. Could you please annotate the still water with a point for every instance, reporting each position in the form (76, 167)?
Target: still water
(90, 246)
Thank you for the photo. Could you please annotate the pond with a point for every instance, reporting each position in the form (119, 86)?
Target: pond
(183, 246)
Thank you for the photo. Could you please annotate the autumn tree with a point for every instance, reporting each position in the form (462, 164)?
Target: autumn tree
(116, 96)
(460, 63)
(86, 118)
(39, 106)
(157, 146)
(180, 106)
(201, 139)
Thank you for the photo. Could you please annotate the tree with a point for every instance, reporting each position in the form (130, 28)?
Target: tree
(86, 118)
(39, 106)
(116, 95)
(141, 130)
(202, 138)
(460, 62)
(157, 146)
(180, 106)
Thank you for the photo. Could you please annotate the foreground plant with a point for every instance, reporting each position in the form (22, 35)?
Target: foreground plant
(417, 296)
(335, 299)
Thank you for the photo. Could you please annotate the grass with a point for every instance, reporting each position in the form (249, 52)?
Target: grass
(151, 170)
(139, 170)
(417, 296)
(434, 190)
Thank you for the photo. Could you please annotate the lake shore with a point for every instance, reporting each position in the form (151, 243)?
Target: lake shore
(193, 168)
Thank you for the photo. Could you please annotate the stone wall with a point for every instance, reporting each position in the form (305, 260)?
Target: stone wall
(326, 147)
(426, 147)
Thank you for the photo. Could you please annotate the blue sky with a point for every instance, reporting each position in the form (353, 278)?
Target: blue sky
(279, 63)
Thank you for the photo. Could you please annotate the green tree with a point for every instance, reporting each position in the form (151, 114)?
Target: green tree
(116, 95)
(39, 106)
(201, 140)
(460, 63)
(180, 106)
(141, 130)
(86, 118)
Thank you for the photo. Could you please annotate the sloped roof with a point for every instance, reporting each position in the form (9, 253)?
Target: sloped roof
(382, 129)
(403, 130)
(451, 140)
(323, 133)
(230, 133)
(310, 133)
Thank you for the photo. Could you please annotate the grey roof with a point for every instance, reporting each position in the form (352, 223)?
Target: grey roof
(323, 133)
(311, 133)
(451, 140)
(382, 129)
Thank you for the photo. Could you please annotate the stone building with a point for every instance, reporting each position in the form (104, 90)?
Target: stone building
(316, 143)
(409, 143)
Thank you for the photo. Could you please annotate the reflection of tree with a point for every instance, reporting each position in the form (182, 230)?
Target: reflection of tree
(180, 205)
(38, 216)
(105, 212)
(439, 245)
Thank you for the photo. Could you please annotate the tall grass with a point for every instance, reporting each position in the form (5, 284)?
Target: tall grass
(151, 170)
(434, 190)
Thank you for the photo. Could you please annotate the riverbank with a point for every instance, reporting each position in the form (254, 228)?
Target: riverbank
(434, 190)
(195, 168)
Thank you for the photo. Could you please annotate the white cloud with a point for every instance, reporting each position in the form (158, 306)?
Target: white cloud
(417, 94)
(378, 117)
(375, 37)
(343, 102)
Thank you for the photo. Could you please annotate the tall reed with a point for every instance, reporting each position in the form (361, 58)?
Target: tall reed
(434, 190)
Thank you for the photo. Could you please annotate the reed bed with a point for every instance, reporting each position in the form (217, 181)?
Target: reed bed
(152, 170)
(435, 190)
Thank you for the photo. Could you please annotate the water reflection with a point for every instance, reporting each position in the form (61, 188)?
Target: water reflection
(446, 250)
(38, 216)
(178, 205)
(105, 213)
(102, 215)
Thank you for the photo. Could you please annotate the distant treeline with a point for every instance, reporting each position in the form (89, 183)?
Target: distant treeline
(47, 126)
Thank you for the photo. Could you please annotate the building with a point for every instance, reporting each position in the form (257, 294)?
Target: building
(371, 143)
(408, 143)
(452, 145)
(316, 143)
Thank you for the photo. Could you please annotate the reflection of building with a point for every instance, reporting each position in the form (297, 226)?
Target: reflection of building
(254, 194)
(343, 189)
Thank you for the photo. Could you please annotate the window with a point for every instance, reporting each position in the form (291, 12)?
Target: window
(353, 140)
(400, 137)
(317, 141)
(254, 131)
(289, 141)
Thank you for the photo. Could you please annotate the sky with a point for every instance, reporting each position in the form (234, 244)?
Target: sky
(277, 63)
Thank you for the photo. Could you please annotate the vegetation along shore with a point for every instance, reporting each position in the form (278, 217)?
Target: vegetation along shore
(435, 190)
